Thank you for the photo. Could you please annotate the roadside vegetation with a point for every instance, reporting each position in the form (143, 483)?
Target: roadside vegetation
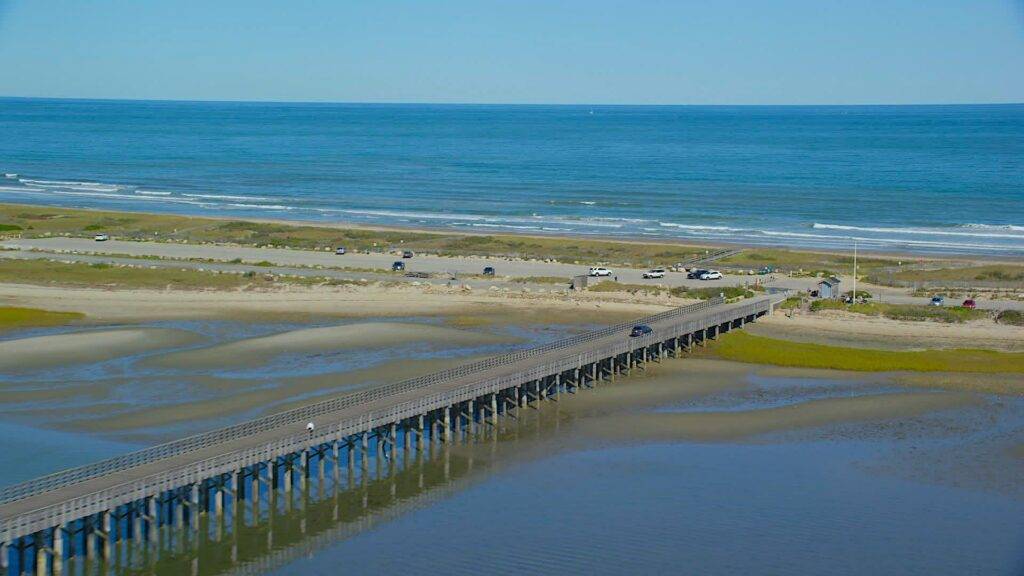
(1011, 317)
(541, 280)
(613, 286)
(803, 263)
(729, 292)
(990, 273)
(745, 347)
(36, 221)
(912, 312)
(13, 317)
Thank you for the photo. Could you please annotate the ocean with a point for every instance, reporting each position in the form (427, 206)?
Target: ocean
(918, 179)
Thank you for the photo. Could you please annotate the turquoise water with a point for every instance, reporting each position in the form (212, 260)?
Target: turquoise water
(910, 178)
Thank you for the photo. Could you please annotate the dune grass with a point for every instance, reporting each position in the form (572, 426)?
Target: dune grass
(542, 280)
(613, 286)
(745, 347)
(46, 272)
(912, 312)
(13, 317)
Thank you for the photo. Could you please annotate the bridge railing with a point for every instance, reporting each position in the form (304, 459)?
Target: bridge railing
(233, 460)
(305, 413)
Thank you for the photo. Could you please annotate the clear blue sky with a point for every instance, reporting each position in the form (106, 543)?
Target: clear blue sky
(531, 51)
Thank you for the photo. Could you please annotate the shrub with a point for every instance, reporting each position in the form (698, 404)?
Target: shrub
(9, 227)
(1011, 317)
(729, 292)
(791, 303)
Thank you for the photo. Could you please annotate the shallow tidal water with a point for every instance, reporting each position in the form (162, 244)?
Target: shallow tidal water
(696, 466)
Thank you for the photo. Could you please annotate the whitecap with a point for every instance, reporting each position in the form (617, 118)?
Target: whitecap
(925, 231)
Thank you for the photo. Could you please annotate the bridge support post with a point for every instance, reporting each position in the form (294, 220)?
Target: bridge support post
(364, 452)
(350, 462)
(108, 527)
(419, 433)
(42, 556)
(152, 520)
(5, 557)
(254, 492)
(557, 380)
(471, 417)
(193, 508)
(60, 542)
(447, 423)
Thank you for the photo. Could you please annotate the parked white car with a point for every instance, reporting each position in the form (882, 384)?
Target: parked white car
(599, 271)
(655, 273)
(101, 237)
(711, 275)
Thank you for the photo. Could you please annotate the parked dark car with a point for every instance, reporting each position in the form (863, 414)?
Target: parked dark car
(640, 330)
(340, 251)
(407, 254)
(970, 304)
(695, 273)
(488, 270)
(398, 266)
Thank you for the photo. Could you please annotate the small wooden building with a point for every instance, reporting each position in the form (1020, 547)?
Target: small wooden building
(829, 288)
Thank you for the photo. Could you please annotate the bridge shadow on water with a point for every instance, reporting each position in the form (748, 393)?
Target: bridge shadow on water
(335, 502)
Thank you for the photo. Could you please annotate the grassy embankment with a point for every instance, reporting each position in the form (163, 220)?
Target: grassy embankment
(913, 312)
(12, 318)
(745, 347)
(811, 263)
(35, 221)
(989, 273)
(729, 292)
(50, 273)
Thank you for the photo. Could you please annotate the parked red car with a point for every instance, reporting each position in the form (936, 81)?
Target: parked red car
(969, 303)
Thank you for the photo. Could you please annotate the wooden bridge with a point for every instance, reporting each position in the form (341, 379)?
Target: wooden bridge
(84, 512)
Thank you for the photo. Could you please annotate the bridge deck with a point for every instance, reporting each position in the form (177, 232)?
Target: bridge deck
(70, 492)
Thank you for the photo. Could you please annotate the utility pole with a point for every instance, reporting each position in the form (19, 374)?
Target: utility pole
(853, 295)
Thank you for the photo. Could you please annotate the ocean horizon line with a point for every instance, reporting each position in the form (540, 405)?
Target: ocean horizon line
(397, 103)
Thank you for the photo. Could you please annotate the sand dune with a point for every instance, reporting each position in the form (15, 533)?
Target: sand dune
(82, 347)
(255, 351)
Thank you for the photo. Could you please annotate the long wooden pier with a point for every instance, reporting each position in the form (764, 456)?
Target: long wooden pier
(84, 511)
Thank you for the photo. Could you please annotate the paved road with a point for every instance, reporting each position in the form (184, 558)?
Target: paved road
(382, 405)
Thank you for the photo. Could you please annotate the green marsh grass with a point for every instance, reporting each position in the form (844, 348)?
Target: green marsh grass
(746, 347)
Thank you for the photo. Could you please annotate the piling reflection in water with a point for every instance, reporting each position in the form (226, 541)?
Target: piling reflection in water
(255, 524)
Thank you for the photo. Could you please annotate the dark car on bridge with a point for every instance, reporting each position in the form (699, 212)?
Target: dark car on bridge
(398, 266)
(489, 271)
(640, 330)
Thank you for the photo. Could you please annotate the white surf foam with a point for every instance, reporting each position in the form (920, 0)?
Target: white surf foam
(262, 206)
(228, 197)
(927, 231)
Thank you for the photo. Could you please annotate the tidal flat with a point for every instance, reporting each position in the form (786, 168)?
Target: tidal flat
(693, 464)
